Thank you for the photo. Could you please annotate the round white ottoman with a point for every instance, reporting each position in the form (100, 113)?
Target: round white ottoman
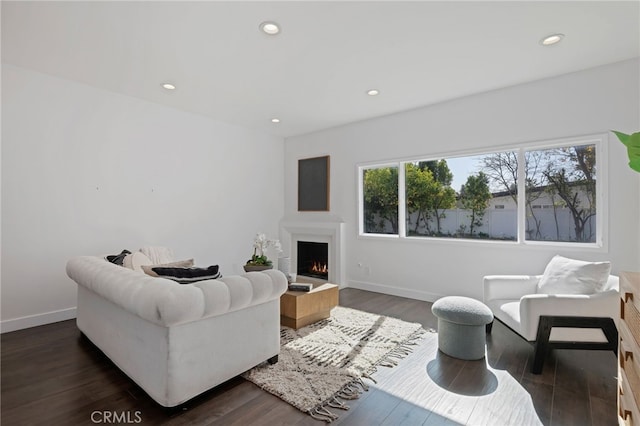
(461, 326)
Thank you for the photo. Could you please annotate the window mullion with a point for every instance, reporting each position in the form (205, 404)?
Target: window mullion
(361, 229)
(522, 204)
(402, 205)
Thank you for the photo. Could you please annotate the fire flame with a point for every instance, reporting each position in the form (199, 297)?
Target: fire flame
(319, 268)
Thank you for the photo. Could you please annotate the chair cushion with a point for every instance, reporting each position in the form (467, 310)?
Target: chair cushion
(507, 311)
(569, 276)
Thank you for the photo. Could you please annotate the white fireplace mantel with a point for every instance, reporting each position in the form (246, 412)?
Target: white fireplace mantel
(322, 232)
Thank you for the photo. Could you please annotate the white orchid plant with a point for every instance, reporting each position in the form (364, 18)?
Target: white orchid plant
(260, 246)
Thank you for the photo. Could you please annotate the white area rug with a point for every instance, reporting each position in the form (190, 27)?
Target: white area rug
(323, 365)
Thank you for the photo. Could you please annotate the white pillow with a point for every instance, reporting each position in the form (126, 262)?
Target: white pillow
(158, 255)
(570, 276)
(135, 261)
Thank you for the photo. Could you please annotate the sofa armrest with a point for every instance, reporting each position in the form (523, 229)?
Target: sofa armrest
(532, 306)
(509, 286)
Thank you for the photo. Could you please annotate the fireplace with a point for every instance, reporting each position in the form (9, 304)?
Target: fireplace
(313, 259)
(327, 233)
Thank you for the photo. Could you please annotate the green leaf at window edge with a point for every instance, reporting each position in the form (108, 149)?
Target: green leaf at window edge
(632, 142)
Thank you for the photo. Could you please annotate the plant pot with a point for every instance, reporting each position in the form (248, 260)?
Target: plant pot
(255, 268)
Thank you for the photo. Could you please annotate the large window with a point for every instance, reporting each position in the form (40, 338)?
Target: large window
(538, 193)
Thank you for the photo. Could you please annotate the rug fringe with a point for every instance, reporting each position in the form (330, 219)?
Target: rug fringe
(321, 413)
(336, 403)
(366, 375)
(350, 391)
(364, 386)
(398, 353)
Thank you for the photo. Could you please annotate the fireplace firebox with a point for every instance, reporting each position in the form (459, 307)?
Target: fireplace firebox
(313, 259)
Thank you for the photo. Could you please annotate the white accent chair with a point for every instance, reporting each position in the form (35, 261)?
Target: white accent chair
(554, 321)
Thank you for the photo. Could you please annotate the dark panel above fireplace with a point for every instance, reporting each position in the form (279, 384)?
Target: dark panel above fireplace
(313, 184)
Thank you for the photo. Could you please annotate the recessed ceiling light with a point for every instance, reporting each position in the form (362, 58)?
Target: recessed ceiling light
(275, 120)
(551, 39)
(373, 92)
(168, 86)
(270, 28)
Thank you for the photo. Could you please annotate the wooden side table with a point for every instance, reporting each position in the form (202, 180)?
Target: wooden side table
(300, 308)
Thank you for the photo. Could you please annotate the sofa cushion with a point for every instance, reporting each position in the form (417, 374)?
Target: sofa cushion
(158, 255)
(117, 259)
(148, 269)
(569, 276)
(134, 261)
(188, 275)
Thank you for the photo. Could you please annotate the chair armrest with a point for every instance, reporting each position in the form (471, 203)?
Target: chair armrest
(532, 306)
(509, 286)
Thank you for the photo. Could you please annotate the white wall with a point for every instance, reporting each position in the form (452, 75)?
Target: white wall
(587, 102)
(86, 171)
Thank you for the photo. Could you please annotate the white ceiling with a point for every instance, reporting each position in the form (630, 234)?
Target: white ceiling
(313, 75)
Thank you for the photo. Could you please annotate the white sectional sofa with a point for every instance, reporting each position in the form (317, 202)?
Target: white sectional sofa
(175, 340)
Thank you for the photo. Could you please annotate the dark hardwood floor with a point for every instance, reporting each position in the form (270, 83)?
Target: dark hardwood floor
(52, 375)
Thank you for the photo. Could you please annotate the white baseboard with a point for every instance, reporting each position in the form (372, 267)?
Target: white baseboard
(36, 320)
(395, 291)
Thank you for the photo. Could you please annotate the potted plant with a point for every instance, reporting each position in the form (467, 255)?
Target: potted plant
(259, 261)
(632, 142)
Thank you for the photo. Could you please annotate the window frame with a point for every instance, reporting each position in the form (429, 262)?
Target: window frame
(602, 203)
